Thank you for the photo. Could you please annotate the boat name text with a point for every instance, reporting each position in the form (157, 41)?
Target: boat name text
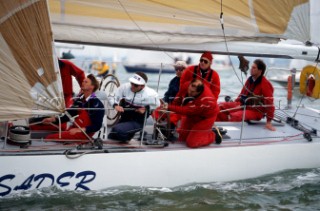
(80, 181)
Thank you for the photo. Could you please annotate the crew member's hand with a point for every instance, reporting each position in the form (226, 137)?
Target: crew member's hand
(48, 120)
(141, 110)
(164, 106)
(119, 108)
(75, 130)
(270, 127)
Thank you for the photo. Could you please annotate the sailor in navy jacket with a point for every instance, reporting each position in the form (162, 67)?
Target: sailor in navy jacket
(90, 111)
(174, 84)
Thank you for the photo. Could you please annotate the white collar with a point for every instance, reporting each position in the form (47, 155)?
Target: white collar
(87, 99)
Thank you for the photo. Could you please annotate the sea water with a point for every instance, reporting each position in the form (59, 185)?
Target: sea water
(287, 190)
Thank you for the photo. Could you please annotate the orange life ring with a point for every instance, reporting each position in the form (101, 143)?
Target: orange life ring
(305, 73)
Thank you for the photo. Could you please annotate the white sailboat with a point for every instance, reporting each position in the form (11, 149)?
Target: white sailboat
(30, 84)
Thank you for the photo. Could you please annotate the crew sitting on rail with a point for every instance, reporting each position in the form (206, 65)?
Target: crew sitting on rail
(90, 111)
(256, 94)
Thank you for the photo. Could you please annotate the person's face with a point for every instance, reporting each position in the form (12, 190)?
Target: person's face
(86, 85)
(136, 87)
(179, 71)
(192, 89)
(204, 63)
(254, 71)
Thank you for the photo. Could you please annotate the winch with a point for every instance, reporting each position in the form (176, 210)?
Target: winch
(19, 134)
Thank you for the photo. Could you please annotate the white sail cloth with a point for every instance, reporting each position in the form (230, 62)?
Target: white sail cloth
(167, 24)
(30, 81)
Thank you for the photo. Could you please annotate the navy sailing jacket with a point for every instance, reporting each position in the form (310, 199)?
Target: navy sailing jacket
(172, 91)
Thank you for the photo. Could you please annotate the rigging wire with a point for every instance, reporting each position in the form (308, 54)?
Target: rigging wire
(148, 37)
(227, 50)
(226, 44)
(140, 29)
(241, 81)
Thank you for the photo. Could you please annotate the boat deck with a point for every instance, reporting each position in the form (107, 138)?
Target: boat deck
(252, 134)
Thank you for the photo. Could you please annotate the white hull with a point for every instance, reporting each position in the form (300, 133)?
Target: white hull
(164, 168)
(260, 152)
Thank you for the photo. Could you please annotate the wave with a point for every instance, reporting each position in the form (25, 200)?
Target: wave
(289, 190)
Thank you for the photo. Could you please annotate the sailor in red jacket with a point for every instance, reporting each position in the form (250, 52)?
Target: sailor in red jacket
(204, 72)
(256, 94)
(67, 70)
(199, 109)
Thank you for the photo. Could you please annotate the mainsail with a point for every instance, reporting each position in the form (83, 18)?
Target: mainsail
(29, 76)
(184, 25)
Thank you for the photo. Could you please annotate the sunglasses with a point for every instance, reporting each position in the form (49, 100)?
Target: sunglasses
(204, 61)
(135, 85)
(179, 69)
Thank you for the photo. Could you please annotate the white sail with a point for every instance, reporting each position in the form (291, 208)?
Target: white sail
(29, 77)
(184, 25)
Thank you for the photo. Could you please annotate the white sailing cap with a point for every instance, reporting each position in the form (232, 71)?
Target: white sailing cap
(180, 64)
(137, 79)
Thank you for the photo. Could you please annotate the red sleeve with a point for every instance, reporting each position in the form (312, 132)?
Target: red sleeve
(201, 105)
(189, 109)
(242, 91)
(215, 88)
(186, 76)
(267, 92)
(77, 73)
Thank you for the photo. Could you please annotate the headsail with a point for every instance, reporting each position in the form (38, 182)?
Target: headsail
(172, 25)
(29, 76)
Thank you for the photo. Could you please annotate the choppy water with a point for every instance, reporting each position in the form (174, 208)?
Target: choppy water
(289, 190)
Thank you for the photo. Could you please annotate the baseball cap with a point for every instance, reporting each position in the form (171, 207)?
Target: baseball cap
(137, 79)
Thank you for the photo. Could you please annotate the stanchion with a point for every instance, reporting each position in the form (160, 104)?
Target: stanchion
(289, 92)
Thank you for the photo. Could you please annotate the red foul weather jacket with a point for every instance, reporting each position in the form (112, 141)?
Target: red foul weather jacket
(198, 118)
(261, 87)
(212, 79)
